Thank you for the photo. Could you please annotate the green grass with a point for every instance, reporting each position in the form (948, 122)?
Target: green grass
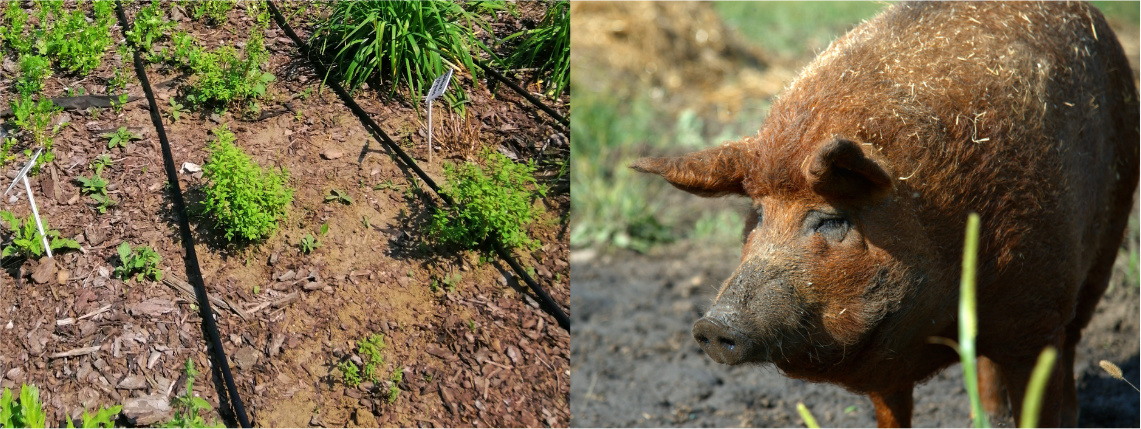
(546, 48)
(791, 30)
(407, 44)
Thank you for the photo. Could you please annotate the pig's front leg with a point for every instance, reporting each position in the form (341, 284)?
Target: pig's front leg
(893, 409)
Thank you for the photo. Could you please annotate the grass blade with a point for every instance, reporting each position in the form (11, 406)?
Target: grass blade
(1032, 401)
(807, 416)
(968, 320)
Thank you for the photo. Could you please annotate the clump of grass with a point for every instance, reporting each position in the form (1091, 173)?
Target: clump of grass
(245, 200)
(404, 43)
(493, 198)
(546, 48)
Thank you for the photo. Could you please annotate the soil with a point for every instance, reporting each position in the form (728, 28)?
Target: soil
(635, 363)
(480, 354)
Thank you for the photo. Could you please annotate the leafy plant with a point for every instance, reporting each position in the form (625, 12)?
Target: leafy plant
(142, 262)
(93, 185)
(120, 137)
(33, 70)
(13, 33)
(27, 413)
(101, 162)
(495, 198)
(339, 196)
(175, 110)
(188, 408)
(351, 373)
(149, 27)
(450, 280)
(102, 418)
(406, 43)
(245, 200)
(308, 244)
(103, 202)
(369, 349)
(546, 48)
(396, 378)
(26, 238)
(225, 78)
(76, 45)
(213, 10)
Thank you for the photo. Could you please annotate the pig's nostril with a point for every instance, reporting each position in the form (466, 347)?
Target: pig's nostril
(727, 343)
(703, 340)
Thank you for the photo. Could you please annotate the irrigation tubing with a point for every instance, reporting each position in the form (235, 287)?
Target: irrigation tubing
(562, 120)
(545, 299)
(193, 271)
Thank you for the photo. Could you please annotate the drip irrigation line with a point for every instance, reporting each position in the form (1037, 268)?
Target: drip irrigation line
(193, 272)
(545, 299)
(495, 74)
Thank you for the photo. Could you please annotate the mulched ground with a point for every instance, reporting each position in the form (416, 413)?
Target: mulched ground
(482, 355)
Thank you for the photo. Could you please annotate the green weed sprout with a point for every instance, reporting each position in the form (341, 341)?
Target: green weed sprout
(187, 407)
(142, 262)
(100, 419)
(28, 414)
(245, 200)
(27, 241)
(120, 137)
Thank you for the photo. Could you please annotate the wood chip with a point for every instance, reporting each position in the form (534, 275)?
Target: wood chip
(76, 352)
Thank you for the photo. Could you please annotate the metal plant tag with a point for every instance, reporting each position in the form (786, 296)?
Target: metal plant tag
(439, 86)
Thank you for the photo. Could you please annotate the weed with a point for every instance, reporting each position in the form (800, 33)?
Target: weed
(76, 45)
(471, 325)
(187, 407)
(104, 418)
(28, 413)
(308, 244)
(148, 28)
(27, 241)
(339, 196)
(387, 184)
(33, 70)
(93, 185)
(404, 42)
(101, 162)
(351, 373)
(546, 48)
(13, 33)
(245, 200)
(214, 11)
(142, 262)
(369, 350)
(120, 137)
(396, 378)
(103, 202)
(495, 198)
(224, 78)
(175, 110)
(365, 222)
(35, 117)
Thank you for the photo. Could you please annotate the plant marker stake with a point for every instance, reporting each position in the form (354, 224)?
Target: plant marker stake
(438, 87)
(31, 200)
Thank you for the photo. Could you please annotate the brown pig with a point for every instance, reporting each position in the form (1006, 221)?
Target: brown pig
(863, 175)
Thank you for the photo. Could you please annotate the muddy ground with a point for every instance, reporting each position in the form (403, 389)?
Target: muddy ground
(635, 363)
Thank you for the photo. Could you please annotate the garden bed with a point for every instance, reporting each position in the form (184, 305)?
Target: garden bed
(469, 340)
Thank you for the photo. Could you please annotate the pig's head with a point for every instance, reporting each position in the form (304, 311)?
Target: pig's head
(820, 281)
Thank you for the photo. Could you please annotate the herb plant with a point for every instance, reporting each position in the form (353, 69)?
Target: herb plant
(33, 70)
(28, 413)
(104, 418)
(495, 198)
(308, 244)
(142, 262)
(245, 200)
(26, 241)
(149, 27)
(188, 407)
(213, 10)
(120, 137)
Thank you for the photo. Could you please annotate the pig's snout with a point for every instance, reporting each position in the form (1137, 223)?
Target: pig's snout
(720, 340)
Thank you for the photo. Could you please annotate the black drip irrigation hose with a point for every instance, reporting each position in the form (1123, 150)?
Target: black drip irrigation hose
(545, 299)
(523, 92)
(193, 272)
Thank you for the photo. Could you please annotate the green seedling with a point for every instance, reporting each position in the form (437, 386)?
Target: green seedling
(188, 408)
(27, 413)
(175, 110)
(149, 27)
(103, 202)
(142, 262)
(120, 137)
(101, 162)
(387, 184)
(351, 373)
(93, 185)
(339, 196)
(365, 222)
(117, 105)
(34, 69)
(104, 418)
(308, 244)
(26, 239)
(214, 11)
(245, 200)
(396, 378)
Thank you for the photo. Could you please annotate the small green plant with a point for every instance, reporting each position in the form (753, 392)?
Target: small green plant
(495, 198)
(76, 45)
(14, 32)
(224, 78)
(142, 262)
(351, 373)
(27, 413)
(188, 407)
(103, 202)
(175, 110)
(120, 137)
(93, 185)
(213, 10)
(308, 244)
(26, 239)
(34, 69)
(101, 162)
(149, 27)
(104, 418)
(339, 196)
(396, 378)
(245, 200)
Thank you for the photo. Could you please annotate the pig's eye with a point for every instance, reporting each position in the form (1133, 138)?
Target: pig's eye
(833, 228)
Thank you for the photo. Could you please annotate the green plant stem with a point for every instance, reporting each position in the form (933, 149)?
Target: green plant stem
(968, 323)
(806, 415)
(1032, 401)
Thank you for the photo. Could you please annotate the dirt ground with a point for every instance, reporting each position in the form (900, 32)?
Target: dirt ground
(634, 360)
(480, 355)
(635, 363)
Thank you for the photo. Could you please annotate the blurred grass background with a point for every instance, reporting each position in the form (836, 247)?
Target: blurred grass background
(621, 116)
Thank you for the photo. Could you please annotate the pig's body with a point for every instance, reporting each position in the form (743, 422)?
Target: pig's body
(863, 176)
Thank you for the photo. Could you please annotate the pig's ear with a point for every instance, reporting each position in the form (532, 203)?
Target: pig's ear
(707, 173)
(841, 170)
